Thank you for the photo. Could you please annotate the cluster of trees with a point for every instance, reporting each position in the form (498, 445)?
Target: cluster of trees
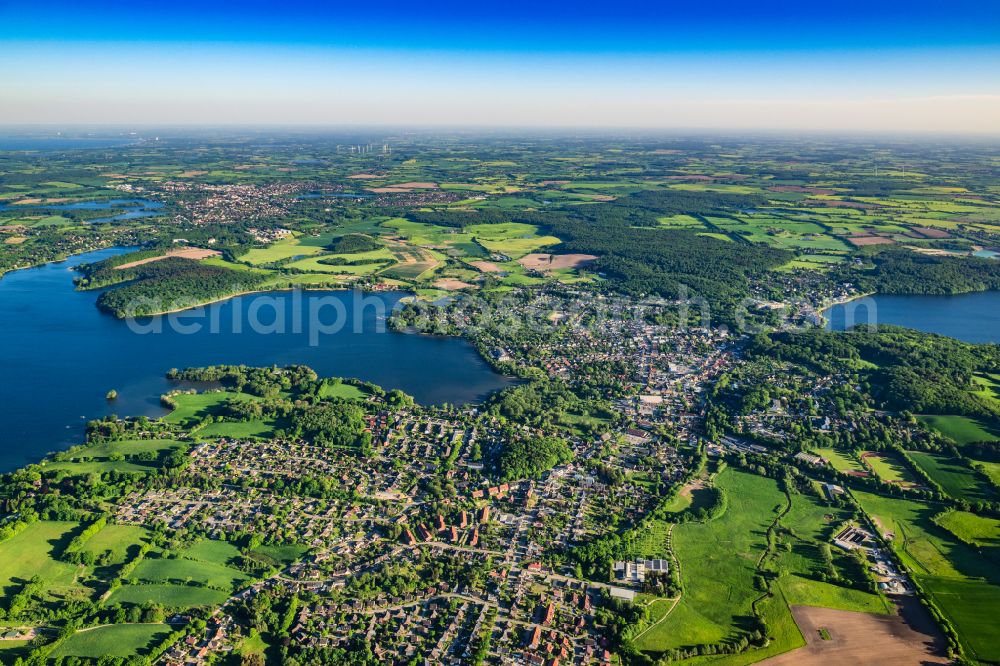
(333, 423)
(74, 551)
(354, 243)
(261, 382)
(528, 457)
(173, 284)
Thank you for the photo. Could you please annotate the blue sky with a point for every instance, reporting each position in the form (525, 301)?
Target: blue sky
(773, 65)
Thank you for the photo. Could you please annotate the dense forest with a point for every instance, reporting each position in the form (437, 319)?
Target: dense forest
(901, 271)
(173, 284)
(907, 370)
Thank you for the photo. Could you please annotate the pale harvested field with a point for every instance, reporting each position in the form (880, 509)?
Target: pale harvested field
(551, 262)
(486, 266)
(859, 241)
(364, 176)
(861, 638)
(15, 240)
(451, 284)
(185, 253)
(417, 185)
(33, 202)
(389, 190)
(932, 233)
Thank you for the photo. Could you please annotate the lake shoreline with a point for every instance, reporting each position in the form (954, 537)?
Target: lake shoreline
(51, 329)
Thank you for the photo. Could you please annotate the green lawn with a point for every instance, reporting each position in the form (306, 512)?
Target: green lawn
(118, 640)
(174, 597)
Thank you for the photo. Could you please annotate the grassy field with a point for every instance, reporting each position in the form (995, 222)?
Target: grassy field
(957, 480)
(29, 553)
(193, 407)
(98, 466)
(286, 248)
(889, 468)
(842, 461)
(211, 550)
(963, 580)
(972, 528)
(184, 571)
(117, 539)
(801, 591)
(118, 640)
(127, 447)
(285, 554)
(240, 429)
(173, 597)
(962, 429)
(343, 391)
(717, 564)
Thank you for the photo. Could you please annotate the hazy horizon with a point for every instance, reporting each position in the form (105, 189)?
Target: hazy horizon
(854, 67)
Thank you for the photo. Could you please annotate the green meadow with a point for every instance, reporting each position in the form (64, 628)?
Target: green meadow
(117, 640)
(30, 553)
(955, 478)
(961, 579)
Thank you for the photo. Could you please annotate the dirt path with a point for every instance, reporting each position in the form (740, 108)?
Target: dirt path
(908, 637)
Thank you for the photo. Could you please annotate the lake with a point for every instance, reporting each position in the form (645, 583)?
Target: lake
(60, 355)
(971, 317)
(134, 208)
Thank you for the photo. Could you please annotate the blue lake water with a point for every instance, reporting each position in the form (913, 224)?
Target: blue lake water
(134, 208)
(59, 355)
(970, 317)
